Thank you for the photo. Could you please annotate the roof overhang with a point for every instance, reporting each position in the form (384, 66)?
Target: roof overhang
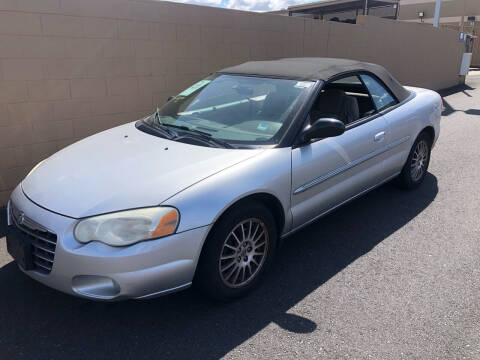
(333, 6)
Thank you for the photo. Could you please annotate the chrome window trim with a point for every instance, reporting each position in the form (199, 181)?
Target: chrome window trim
(349, 165)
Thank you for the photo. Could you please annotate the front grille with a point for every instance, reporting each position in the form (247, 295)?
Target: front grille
(43, 241)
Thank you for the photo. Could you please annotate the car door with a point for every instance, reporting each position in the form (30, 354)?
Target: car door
(330, 171)
(399, 120)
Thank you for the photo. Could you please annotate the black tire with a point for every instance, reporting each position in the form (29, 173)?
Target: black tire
(209, 278)
(407, 178)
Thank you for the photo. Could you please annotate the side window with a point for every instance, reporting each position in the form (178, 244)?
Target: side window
(380, 95)
(356, 98)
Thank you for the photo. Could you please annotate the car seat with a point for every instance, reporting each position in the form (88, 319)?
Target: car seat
(334, 103)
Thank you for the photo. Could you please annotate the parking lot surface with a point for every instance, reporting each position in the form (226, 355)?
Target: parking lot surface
(393, 275)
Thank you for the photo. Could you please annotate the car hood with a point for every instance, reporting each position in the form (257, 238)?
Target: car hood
(123, 168)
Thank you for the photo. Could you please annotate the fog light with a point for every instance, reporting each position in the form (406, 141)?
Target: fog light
(98, 287)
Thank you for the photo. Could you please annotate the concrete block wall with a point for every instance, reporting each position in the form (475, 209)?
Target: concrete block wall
(417, 54)
(71, 68)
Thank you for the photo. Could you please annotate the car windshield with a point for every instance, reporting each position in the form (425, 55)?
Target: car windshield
(234, 109)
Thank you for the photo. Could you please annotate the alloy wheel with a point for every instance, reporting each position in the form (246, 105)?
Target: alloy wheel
(243, 253)
(419, 162)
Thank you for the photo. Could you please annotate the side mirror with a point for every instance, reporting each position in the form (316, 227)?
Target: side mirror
(322, 128)
(170, 98)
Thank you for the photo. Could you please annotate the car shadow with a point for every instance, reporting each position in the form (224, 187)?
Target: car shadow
(37, 322)
(448, 109)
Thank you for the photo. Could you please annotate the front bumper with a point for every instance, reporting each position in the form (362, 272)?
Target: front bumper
(98, 271)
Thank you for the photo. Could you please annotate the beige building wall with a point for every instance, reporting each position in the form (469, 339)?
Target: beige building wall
(451, 15)
(71, 68)
(474, 30)
(476, 46)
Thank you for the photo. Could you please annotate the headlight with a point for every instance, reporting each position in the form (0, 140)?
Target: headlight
(128, 227)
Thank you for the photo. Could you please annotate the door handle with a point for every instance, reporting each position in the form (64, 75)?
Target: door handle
(380, 136)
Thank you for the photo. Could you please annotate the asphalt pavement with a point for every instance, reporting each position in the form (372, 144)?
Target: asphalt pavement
(392, 275)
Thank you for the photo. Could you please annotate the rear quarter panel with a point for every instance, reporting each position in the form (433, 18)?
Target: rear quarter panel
(420, 110)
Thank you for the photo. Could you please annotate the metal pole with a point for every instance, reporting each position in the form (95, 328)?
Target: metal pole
(436, 19)
(365, 7)
(397, 9)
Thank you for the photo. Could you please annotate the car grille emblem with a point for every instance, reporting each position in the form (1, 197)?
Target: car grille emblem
(21, 218)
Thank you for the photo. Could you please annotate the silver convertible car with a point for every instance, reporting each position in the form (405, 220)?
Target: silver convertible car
(203, 191)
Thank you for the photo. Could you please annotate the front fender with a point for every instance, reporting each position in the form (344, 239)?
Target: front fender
(203, 203)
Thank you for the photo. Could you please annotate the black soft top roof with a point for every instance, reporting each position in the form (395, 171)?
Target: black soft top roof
(316, 69)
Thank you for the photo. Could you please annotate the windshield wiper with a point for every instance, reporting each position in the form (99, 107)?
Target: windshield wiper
(163, 127)
(202, 134)
(154, 130)
(206, 136)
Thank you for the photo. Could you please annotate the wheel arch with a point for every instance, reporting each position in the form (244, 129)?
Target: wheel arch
(430, 131)
(271, 202)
